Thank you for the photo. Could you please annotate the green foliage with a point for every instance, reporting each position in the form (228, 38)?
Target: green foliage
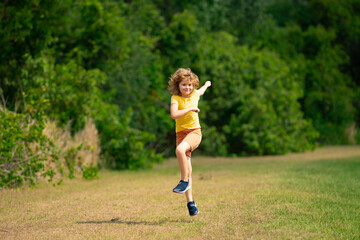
(253, 99)
(90, 173)
(125, 147)
(70, 160)
(90, 32)
(24, 150)
(118, 61)
(214, 142)
(281, 71)
(317, 62)
(68, 88)
(24, 31)
(27, 154)
(178, 41)
(328, 96)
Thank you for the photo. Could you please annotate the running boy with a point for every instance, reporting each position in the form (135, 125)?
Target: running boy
(184, 109)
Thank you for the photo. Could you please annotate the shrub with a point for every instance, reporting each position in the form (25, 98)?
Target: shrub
(31, 149)
(90, 173)
(124, 147)
(24, 149)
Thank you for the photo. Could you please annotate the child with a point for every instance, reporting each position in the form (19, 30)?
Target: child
(184, 109)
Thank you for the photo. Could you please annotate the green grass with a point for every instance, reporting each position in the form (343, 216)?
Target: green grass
(297, 196)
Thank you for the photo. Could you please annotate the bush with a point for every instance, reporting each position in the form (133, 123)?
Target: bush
(213, 141)
(24, 149)
(31, 149)
(90, 173)
(124, 147)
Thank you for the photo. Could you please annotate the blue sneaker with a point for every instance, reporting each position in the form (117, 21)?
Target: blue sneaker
(192, 208)
(182, 187)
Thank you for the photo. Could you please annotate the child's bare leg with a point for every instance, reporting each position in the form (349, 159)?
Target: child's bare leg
(189, 192)
(181, 149)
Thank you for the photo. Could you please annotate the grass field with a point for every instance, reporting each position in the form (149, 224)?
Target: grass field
(313, 195)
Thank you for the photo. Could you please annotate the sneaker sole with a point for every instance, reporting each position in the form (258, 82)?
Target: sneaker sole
(176, 191)
(195, 214)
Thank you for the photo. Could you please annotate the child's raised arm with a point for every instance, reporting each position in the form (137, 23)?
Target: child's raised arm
(204, 87)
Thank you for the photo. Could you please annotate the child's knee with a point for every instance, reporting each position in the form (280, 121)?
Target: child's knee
(179, 150)
(182, 148)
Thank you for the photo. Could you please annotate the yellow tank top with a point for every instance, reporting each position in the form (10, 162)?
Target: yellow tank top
(191, 119)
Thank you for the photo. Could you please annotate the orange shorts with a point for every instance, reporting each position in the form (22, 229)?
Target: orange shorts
(191, 136)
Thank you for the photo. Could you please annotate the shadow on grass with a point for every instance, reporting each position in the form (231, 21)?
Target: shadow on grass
(118, 221)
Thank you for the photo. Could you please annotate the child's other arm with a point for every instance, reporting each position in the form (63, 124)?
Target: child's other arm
(203, 88)
(176, 113)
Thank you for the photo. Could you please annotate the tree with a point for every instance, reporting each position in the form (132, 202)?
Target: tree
(254, 99)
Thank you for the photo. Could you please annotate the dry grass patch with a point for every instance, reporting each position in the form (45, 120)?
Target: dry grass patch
(85, 145)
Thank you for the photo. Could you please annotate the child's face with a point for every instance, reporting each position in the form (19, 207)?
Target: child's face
(186, 88)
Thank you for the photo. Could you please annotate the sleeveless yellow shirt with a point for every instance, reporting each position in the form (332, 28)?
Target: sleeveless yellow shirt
(191, 119)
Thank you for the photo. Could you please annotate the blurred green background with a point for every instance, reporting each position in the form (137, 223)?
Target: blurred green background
(285, 73)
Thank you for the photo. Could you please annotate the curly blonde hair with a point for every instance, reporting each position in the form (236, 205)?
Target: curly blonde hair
(178, 76)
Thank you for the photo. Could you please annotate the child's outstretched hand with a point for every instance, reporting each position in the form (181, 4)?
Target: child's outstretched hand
(203, 88)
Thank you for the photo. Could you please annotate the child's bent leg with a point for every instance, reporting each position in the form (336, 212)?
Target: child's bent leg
(181, 149)
(189, 192)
